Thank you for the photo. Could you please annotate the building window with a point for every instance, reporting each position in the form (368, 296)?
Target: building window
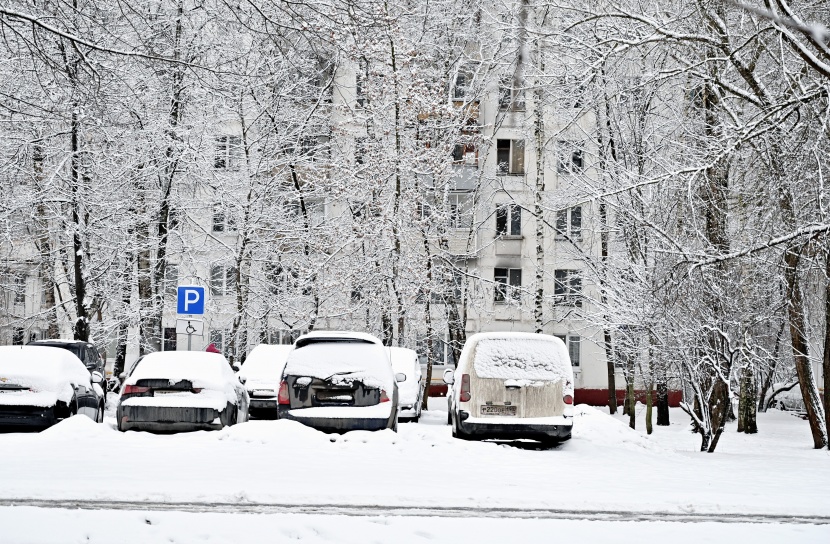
(510, 156)
(222, 280)
(169, 343)
(224, 220)
(463, 82)
(18, 335)
(569, 223)
(510, 97)
(218, 338)
(509, 220)
(459, 211)
(508, 283)
(567, 287)
(19, 287)
(465, 155)
(171, 278)
(572, 341)
(228, 153)
(282, 280)
(571, 158)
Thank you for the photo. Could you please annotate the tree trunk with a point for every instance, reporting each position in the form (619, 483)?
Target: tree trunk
(762, 396)
(795, 311)
(662, 395)
(826, 360)
(747, 404)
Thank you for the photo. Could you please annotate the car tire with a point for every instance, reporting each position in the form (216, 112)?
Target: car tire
(449, 418)
(228, 416)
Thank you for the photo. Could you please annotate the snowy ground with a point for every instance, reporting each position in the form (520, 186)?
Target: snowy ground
(276, 472)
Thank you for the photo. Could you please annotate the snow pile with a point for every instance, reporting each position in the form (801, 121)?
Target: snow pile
(521, 356)
(278, 432)
(50, 373)
(264, 365)
(76, 427)
(599, 428)
(204, 370)
(342, 364)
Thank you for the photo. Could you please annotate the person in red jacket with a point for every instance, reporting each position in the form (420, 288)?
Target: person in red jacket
(213, 349)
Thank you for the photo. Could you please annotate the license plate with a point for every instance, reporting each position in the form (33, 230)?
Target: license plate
(498, 410)
(263, 393)
(156, 392)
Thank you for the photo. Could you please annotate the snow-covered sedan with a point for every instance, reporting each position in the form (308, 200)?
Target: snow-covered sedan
(411, 389)
(511, 385)
(261, 373)
(181, 391)
(41, 385)
(339, 381)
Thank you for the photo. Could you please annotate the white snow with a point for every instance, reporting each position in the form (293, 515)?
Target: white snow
(48, 372)
(378, 411)
(405, 361)
(605, 467)
(520, 356)
(263, 367)
(343, 363)
(205, 370)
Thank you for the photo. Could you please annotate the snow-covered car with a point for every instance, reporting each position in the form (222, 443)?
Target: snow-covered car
(411, 389)
(181, 391)
(84, 351)
(339, 381)
(261, 373)
(511, 385)
(41, 385)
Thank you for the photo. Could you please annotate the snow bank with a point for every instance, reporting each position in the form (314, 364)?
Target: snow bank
(265, 364)
(377, 411)
(343, 363)
(521, 356)
(50, 373)
(599, 428)
(75, 428)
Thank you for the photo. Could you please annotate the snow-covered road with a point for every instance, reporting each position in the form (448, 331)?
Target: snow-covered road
(280, 470)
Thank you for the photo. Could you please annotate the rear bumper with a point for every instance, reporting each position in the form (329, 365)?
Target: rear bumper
(167, 419)
(264, 408)
(336, 424)
(510, 431)
(27, 416)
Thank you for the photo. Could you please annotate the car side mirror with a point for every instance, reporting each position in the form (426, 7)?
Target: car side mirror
(122, 376)
(400, 377)
(97, 378)
(242, 380)
(449, 376)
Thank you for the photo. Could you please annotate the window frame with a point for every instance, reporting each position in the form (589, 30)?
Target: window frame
(511, 216)
(567, 289)
(574, 343)
(566, 226)
(512, 156)
(228, 286)
(506, 288)
(226, 154)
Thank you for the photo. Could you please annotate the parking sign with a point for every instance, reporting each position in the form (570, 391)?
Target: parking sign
(190, 300)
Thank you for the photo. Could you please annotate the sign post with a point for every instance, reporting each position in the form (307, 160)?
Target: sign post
(190, 301)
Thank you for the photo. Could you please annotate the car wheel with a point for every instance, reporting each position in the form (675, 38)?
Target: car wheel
(228, 416)
(449, 418)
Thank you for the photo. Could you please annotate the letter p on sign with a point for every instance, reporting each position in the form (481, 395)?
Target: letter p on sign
(190, 300)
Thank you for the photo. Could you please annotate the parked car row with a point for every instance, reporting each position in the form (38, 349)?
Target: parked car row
(506, 386)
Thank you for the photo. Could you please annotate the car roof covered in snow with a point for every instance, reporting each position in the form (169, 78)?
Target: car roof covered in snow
(42, 367)
(317, 337)
(517, 355)
(265, 362)
(404, 359)
(203, 369)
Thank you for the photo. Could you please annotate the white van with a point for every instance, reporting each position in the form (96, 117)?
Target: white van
(511, 385)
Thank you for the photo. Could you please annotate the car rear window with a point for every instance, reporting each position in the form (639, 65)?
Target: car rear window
(362, 361)
(521, 359)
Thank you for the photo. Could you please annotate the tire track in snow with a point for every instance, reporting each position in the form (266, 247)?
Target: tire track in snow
(418, 511)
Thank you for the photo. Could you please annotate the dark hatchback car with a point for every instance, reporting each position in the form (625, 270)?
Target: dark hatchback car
(84, 351)
(40, 386)
(338, 382)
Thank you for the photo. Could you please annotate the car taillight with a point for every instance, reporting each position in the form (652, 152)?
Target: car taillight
(465, 388)
(283, 395)
(383, 396)
(568, 399)
(134, 390)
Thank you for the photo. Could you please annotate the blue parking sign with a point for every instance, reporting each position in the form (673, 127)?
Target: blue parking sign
(190, 300)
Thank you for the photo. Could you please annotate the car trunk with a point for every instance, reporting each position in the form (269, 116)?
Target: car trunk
(515, 398)
(306, 392)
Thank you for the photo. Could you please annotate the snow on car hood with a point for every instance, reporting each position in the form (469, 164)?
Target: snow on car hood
(50, 373)
(343, 363)
(522, 356)
(204, 370)
(265, 364)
